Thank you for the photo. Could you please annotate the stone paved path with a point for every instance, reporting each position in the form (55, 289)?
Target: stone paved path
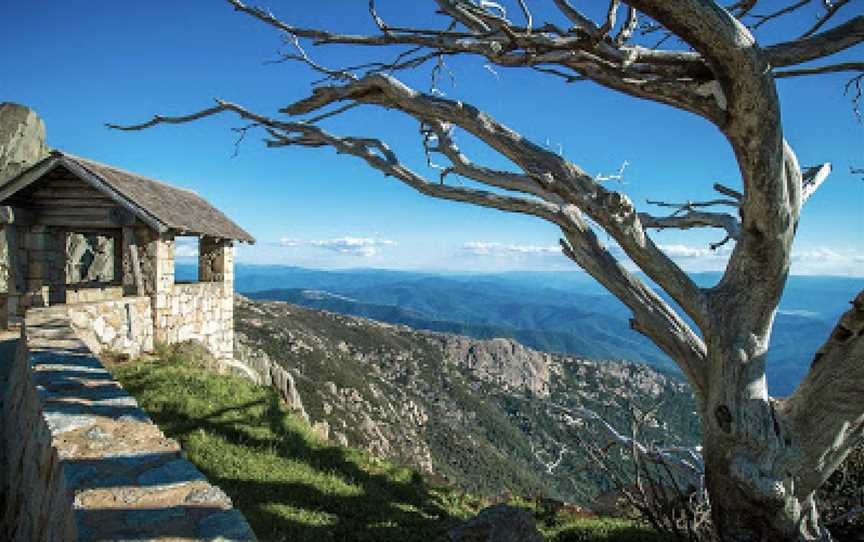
(126, 479)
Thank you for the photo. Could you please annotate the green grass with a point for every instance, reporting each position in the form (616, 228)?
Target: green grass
(291, 486)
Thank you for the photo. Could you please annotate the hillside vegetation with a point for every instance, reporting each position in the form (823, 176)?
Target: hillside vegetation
(292, 486)
(487, 416)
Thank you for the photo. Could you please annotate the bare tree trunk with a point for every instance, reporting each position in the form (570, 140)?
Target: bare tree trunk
(765, 458)
(739, 515)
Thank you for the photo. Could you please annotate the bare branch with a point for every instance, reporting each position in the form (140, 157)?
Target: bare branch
(568, 78)
(182, 119)
(691, 205)
(527, 13)
(611, 16)
(785, 10)
(375, 17)
(817, 46)
(506, 180)
(855, 83)
(615, 176)
(832, 10)
(630, 25)
(741, 8)
(580, 22)
(695, 219)
(687, 460)
(812, 178)
(613, 211)
(815, 70)
(686, 216)
(726, 191)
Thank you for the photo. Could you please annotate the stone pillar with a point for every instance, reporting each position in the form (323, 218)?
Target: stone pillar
(130, 242)
(216, 265)
(164, 279)
(160, 255)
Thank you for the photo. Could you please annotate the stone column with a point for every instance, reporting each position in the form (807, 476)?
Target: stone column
(216, 265)
(160, 255)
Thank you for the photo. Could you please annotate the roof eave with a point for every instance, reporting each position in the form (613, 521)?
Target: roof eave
(97, 182)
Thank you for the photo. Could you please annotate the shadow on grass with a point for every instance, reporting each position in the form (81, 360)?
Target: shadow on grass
(328, 497)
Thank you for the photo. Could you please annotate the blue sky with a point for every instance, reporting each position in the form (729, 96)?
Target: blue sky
(81, 64)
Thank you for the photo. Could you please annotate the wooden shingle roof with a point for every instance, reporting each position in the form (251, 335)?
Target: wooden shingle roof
(161, 206)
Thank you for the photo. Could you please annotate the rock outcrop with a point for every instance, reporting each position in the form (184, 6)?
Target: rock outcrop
(499, 523)
(504, 362)
(22, 139)
(89, 258)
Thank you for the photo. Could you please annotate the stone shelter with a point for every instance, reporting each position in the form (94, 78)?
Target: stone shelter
(131, 223)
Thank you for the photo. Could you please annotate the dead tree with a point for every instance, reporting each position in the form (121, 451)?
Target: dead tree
(764, 457)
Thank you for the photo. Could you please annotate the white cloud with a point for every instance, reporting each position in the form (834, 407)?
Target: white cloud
(480, 248)
(287, 242)
(817, 254)
(828, 261)
(807, 261)
(186, 247)
(683, 251)
(354, 246)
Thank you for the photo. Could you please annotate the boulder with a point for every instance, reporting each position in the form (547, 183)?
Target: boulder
(499, 523)
(22, 139)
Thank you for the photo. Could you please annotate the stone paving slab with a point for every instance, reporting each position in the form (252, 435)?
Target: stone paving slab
(91, 464)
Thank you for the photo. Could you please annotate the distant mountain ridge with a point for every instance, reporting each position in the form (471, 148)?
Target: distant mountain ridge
(550, 311)
(593, 340)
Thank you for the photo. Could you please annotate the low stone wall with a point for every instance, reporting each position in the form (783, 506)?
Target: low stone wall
(122, 326)
(81, 460)
(90, 294)
(203, 311)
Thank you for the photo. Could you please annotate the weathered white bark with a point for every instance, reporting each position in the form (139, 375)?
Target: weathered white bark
(764, 457)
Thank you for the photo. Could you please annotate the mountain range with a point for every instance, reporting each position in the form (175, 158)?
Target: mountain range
(562, 312)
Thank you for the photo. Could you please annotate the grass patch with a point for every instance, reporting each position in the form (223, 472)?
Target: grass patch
(291, 486)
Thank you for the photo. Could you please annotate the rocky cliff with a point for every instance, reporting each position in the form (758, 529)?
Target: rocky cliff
(485, 415)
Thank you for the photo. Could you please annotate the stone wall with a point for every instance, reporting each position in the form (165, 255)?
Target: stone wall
(90, 293)
(82, 462)
(202, 311)
(121, 326)
(199, 311)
